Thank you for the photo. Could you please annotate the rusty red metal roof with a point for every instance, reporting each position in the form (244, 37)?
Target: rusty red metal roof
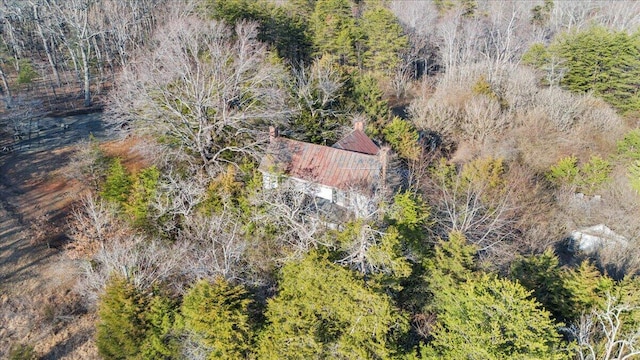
(330, 166)
(357, 141)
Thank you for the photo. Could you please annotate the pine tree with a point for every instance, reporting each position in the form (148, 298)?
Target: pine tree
(486, 317)
(604, 62)
(217, 316)
(482, 316)
(160, 341)
(634, 176)
(585, 287)
(403, 137)
(117, 185)
(325, 311)
(543, 275)
(122, 324)
(143, 190)
(333, 30)
(383, 40)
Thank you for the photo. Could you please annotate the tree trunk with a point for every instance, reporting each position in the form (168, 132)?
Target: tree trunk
(46, 46)
(100, 66)
(7, 95)
(84, 50)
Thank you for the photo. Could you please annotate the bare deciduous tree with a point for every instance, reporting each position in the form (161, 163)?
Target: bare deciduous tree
(295, 215)
(216, 246)
(606, 334)
(142, 261)
(204, 88)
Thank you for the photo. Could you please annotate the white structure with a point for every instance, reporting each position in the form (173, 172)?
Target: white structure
(347, 174)
(589, 240)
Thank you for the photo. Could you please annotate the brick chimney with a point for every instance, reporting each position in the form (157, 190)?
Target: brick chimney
(358, 125)
(273, 133)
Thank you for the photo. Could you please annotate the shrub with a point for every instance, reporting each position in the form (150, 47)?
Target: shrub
(22, 352)
(117, 185)
(629, 146)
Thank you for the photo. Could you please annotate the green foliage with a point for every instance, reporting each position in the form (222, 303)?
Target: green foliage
(387, 255)
(564, 172)
(483, 87)
(325, 311)
(634, 176)
(403, 137)
(629, 146)
(160, 341)
(217, 316)
(383, 41)
(117, 185)
(487, 173)
(482, 316)
(585, 287)
(320, 93)
(594, 174)
(22, 352)
(333, 30)
(542, 275)
(453, 260)
(122, 324)
(604, 62)
(27, 74)
(142, 192)
(540, 14)
(566, 292)
(537, 56)
(409, 215)
(287, 31)
(223, 191)
(443, 173)
(486, 317)
(367, 98)
(383, 254)
(588, 177)
(468, 6)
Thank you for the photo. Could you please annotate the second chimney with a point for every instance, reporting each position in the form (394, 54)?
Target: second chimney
(358, 125)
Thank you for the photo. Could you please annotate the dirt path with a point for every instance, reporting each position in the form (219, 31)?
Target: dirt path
(37, 304)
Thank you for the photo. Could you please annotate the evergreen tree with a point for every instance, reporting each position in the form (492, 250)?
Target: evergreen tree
(629, 146)
(325, 311)
(333, 30)
(117, 185)
(143, 190)
(542, 275)
(284, 28)
(634, 176)
(160, 341)
(480, 316)
(122, 323)
(383, 40)
(403, 137)
(585, 288)
(604, 62)
(217, 317)
(485, 317)
(367, 98)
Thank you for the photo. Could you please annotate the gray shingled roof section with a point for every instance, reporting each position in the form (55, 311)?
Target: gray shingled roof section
(337, 168)
(357, 141)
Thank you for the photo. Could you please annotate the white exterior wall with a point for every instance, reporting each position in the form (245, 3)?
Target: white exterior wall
(359, 204)
(269, 181)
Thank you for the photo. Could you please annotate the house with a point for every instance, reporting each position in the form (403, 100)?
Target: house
(593, 238)
(347, 174)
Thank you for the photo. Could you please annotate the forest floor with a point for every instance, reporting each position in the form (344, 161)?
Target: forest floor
(38, 306)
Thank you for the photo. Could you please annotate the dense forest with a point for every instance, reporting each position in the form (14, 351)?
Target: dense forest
(512, 124)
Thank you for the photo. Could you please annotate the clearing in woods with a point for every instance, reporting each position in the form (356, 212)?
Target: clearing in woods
(38, 306)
